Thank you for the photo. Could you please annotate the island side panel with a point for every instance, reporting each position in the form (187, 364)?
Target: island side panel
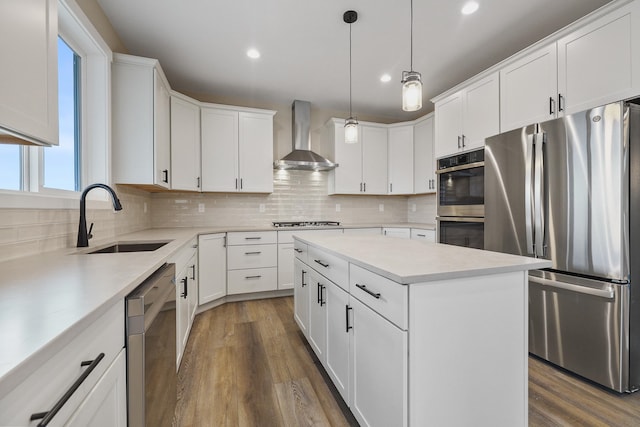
(468, 341)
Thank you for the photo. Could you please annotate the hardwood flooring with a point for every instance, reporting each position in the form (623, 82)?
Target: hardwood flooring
(247, 364)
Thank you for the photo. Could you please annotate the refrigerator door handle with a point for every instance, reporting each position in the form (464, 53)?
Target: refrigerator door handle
(528, 198)
(538, 195)
(607, 292)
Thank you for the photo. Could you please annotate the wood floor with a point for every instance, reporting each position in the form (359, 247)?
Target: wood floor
(247, 364)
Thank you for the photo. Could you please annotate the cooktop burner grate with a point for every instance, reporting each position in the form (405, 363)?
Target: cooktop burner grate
(282, 224)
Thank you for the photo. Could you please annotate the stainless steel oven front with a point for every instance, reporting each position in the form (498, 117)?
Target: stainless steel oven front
(151, 350)
(461, 185)
(461, 231)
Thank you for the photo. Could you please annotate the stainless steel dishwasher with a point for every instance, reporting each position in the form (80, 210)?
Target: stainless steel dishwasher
(151, 350)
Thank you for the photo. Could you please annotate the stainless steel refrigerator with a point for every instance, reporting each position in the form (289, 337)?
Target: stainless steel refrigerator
(568, 190)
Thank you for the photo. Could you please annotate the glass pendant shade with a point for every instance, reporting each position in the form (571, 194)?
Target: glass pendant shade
(351, 131)
(411, 91)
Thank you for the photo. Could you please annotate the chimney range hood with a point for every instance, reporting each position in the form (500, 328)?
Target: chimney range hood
(302, 158)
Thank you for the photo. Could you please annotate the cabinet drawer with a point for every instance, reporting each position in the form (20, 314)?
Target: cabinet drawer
(300, 250)
(252, 256)
(252, 280)
(384, 296)
(332, 267)
(48, 383)
(423, 235)
(252, 238)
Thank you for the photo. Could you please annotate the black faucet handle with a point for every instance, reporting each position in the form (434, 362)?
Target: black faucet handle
(89, 235)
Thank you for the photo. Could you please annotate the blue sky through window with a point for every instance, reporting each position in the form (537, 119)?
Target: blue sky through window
(10, 167)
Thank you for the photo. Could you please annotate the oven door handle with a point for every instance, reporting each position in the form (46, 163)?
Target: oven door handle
(461, 167)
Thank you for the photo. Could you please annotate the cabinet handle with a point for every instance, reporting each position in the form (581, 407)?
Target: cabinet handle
(361, 187)
(298, 250)
(322, 300)
(253, 253)
(421, 235)
(560, 99)
(193, 272)
(236, 183)
(253, 238)
(185, 289)
(166, 176)
(241, 183)
(459, 142)
(224, 241)
(252, 277)
(198, 185)
(321, 263)
(373, 294)
(463, 144)
(318, 293)
(364, 187)
(390, 187)
(302, 283)
(551, 105)
(48, 416)
(346, 313)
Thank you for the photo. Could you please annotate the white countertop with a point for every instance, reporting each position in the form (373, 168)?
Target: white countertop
(47, 299)
(409, 261)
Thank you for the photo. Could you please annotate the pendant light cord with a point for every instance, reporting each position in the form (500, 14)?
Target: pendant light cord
(411, 35)
(350, 88)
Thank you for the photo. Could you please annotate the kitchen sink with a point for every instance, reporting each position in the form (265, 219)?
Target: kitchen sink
(129, 247)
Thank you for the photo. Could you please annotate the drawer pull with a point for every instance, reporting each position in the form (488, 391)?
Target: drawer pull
(193, 272)
(48, 416)
(185, 288)
(373, 294)
(422, 235)
(253, 253)
(302, 283)
(321, 263)
(298, 250)
(253, 238)
(321, 300)
(346, 313)
(252, 277)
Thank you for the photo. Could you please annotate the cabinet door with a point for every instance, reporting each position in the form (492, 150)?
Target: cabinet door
(285, 265)
(192, 298)
(423, 235)
(481, 114)
(600, 62)
(379, 387)
(374, 159)
(400, 160)
(448, 113)
(256, 152)
(182, 310)
(424, 178)
(528, 89)
(212, 263)
(29, 72)
(161, 132)
(106, 403)
(301, 295)
(338, 338)
(185, 145)
(219, 150)
(317, 314)
(347, 177)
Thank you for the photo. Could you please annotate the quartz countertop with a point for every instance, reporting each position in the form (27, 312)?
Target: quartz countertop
(47, 299)
(410, 261)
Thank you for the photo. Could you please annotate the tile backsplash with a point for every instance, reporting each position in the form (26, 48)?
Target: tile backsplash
(26, 232)
(297, 195)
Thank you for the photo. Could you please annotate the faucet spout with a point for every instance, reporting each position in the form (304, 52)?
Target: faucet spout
(83, 237)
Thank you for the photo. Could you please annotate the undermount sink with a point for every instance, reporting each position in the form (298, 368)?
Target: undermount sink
(129, 247)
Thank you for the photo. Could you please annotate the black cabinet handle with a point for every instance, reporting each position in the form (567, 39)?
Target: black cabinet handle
(48, 416)
(298, 250)
(560, 99)
(193, 272)
(166, 176)
(236, 183)
(303, 284)
(198, 185)
(364, 187)
(390, 187)
(361, 187)
(253, 253)
(421, 235)
(373, 294)
(185, 289)
(346, 313)
(322, 300)
(252, 277)
(459, 142)
(241, 183)
(321, 263)
(551, 102)
(463, 144)
(318, 293)
(253, 238)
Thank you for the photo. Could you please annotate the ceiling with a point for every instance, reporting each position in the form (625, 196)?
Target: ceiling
(304, 45)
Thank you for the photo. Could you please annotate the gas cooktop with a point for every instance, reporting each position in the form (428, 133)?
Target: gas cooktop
(287, 224)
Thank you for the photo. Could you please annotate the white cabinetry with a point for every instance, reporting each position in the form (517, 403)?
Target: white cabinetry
(40, 391)
(338, 337)
(301, 295)
(29, 72)
(465, 118)
(186, 293)
(400, 159)
(252, 262)
(185, 143)
(212, 260)
(317, 335)
(423, 235)
(424, 177)
(141, 122)
(404, 233)
(237, 149)
(363, 166)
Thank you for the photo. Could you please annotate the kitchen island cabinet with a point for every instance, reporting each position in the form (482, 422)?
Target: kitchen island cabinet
(440, 315)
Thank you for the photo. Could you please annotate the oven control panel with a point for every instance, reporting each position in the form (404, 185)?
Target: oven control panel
(461, 159)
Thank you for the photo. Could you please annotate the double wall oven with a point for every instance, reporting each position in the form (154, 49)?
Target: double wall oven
(461, 199)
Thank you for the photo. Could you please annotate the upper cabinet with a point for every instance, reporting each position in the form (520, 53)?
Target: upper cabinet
(595, 64)
(29, 72)
(362, 166)
(185, 143)
(424, 177)
(237, 149)
(141, 122)
(400, 159)
(465, 118)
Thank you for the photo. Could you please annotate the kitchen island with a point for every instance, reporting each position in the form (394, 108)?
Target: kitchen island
(416, 333)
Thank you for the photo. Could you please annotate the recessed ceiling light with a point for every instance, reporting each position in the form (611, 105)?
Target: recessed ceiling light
(469, 7)
(385, 78)
(253, 53)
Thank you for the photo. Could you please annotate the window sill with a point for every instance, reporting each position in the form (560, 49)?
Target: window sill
(62, 200)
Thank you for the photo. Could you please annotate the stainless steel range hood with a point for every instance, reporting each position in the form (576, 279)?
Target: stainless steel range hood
(302, 158)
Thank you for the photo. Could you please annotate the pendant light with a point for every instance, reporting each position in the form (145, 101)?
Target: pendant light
(411, 82)
(351, 124)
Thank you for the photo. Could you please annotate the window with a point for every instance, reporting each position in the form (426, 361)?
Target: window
(10, 167)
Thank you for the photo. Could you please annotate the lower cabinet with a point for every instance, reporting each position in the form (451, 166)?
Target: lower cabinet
(186, 293)
(252, 262)
(301, 295)
(317, 336)
(285, 266)
(338, 338)
(212, 260)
